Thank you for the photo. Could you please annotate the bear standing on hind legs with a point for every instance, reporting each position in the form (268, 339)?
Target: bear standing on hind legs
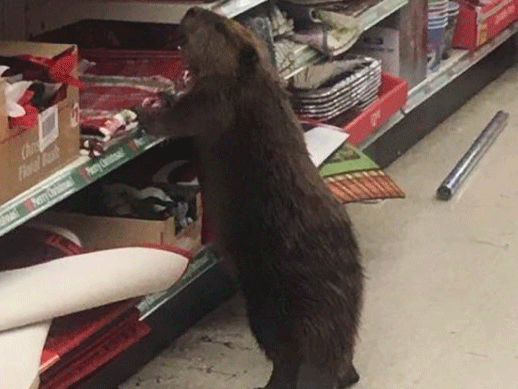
(272, 216)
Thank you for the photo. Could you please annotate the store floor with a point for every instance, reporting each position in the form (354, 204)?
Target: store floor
(441, 307)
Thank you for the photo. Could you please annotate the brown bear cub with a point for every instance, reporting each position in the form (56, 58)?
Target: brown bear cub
(271, 214)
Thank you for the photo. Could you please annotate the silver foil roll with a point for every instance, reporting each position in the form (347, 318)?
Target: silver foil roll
(454, 180)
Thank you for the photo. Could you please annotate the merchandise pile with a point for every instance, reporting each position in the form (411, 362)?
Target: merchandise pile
(353, 177)
(330, 27)
(331, 89)
(117, 81)
(442, 18)
(350, 174)
(340, 87)
(151, 192)
(170, 193)
(34, 84)
(81, 343)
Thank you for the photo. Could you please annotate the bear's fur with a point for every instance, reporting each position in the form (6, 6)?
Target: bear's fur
(272, 215)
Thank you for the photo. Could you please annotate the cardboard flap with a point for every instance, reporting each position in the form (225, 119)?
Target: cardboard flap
(4, 125)
(48, 50)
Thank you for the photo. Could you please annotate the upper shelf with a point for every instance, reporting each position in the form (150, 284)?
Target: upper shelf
(84, 170)
(375, 14)
(367, 19)
(47, 15)
(52, 14)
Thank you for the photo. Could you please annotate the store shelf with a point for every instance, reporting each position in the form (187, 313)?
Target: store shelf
(69, 180)
(44, 17)
(152, 303)
(84, 171)
(458, 63)
(375, 14)
(367, 19)
(204, 287)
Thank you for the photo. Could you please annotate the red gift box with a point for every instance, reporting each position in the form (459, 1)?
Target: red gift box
(477, 24)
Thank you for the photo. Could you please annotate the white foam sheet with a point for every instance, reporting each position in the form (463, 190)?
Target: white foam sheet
(39, 293)
(323, 141)
(20, 354)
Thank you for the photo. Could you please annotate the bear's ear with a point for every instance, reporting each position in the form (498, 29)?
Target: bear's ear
(248, 58)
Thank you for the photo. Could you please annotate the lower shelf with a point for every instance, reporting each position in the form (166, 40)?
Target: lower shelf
(408, 127)
(204, 287)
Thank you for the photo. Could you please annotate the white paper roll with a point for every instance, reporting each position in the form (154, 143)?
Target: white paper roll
(20, 354)
(76, 283)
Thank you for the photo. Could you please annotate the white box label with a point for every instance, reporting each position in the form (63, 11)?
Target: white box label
(48, 127)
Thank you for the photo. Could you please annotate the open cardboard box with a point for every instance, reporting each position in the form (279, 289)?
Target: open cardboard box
(28, 156)
(105, 232)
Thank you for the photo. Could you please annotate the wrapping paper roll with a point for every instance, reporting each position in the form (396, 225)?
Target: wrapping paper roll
(20, 353)
(36, 294)
(76, 283)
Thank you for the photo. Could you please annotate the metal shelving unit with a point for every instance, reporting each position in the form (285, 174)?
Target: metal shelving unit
(459, 62)
(205, 284)
(202, 263)
(83, 171)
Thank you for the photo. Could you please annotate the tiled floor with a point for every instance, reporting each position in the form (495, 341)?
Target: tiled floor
(441, 306)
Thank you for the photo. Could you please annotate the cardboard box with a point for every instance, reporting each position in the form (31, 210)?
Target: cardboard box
(105, 232)
(29, 156)
(477, 25)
